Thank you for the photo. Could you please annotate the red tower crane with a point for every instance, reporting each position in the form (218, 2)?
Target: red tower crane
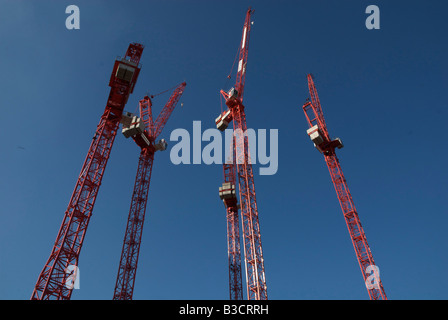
(144, 132)
(254, 263)
(52, 282)
(319, 135)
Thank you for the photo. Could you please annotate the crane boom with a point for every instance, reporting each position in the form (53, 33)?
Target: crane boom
(243, 54)
(316, 108)
(319, 135)
(52, 281)
(163, 116)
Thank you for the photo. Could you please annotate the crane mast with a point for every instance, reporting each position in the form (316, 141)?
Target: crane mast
(228, 195)
(319, 135)
(52, 281)
(144, 131)
(254, 262)
(134, 228)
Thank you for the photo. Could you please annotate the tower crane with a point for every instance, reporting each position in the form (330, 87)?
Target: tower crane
(318, 133)
(52, 282)
(242, 168)
(144, 131)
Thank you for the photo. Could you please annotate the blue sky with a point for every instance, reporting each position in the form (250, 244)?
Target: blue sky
(383, 92)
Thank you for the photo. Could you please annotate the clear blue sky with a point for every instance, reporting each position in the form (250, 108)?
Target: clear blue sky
(383, 92)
